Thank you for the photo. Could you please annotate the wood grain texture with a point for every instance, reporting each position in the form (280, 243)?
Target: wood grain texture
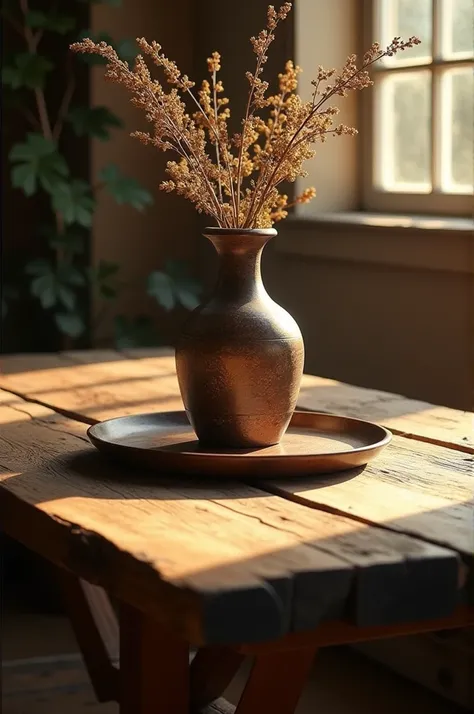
(37, 376)
(403, 416)
(419, 489)
(221, 562)
(88, 381)
(427, 488)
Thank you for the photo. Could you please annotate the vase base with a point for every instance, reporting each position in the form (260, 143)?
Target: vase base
(240, 431)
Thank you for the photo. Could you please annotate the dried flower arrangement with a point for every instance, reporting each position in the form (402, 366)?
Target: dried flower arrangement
(239, 189)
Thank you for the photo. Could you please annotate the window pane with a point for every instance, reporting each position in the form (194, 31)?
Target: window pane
(458, 27)
(403, 114)
(404, 18)
(457, 131)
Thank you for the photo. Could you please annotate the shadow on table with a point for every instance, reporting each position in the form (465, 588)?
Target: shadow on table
(355, 543)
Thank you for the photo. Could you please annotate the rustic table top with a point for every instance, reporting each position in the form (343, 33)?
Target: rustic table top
(237, 561)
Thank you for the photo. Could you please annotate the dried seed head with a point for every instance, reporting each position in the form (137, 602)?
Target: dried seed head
(238, 186)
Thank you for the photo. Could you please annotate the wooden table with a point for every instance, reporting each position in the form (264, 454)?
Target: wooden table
(274, 569)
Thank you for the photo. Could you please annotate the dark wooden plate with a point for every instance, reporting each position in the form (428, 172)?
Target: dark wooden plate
(313, 443)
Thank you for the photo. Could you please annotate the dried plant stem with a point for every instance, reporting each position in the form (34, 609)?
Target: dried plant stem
(213, 129)
(244, 129)
(260, 177)
(270, 183)
(218, 158)
(182, 140)
(189, 154)
(236, 182)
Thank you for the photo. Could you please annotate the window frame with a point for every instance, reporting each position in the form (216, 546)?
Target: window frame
(375, 198)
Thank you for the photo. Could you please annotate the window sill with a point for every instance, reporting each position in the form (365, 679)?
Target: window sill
(416, 242)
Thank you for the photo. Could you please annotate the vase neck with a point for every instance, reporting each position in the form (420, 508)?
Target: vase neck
(239, 277)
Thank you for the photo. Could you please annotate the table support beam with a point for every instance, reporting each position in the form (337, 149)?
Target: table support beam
(154, 667)
(276, 682)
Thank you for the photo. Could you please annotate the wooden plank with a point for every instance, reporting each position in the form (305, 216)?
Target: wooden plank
(32, 375)
(414, 487)
(115, 383)
(222, 562)
(21, 363)
(403, 416)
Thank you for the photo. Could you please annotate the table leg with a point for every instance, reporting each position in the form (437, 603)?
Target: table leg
(276, 682)
(154, 667)
(211, 672)
(95, 626)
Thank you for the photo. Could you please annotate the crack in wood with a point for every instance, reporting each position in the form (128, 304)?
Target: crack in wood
(75, 416)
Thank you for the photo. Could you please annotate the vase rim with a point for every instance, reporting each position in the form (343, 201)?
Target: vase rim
(217, 231)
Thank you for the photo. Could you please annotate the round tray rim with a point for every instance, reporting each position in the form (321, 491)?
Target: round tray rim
(386, 437)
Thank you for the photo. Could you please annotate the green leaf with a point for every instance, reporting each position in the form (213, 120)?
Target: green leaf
(96, 37)
(74, 202)
(70, 323)
(93, 121)
(186, 289)
(125, 189)
(127, 50)
(38, 160)
(135, 332)
(24, 177)
(100, 275)
(29, 70)
(160, 287)
(52, 285)
(44, 288)
(70, 275)
(187, 297)
(67, 297)
(51, 21)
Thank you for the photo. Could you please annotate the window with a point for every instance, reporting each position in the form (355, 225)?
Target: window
(420, 114)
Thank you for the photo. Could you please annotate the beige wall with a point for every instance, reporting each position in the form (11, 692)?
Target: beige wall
(395, 327)
(383, 326)
(140, 242)
(331, 30)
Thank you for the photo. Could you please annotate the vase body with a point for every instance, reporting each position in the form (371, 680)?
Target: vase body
(240, 356)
